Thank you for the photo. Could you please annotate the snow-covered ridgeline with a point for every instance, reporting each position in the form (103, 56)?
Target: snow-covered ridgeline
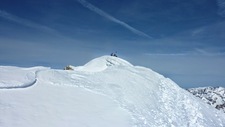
(107, 91)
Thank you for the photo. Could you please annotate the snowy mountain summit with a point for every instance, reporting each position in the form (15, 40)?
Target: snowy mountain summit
(214, 96)
(105, 92)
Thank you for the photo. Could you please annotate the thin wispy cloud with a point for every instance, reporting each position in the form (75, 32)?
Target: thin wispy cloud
(194, 52)
(111, 18)
(26, 22)
(221, 5)
(165, 54)
(209, 52)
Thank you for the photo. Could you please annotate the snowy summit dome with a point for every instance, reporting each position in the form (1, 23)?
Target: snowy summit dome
(102, 63)
(117, 95)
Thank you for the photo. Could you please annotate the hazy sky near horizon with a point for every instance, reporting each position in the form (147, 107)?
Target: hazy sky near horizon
(181, 39)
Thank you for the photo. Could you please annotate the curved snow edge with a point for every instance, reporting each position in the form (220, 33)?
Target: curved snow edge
(25, 84)
(20, 86)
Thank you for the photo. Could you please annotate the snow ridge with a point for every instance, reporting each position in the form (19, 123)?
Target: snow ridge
(107, 91)
(166, 93)
(15, 77)
(101, 63)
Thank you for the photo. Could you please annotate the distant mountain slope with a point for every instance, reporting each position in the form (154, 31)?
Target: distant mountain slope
(214, 96)
(105, 92)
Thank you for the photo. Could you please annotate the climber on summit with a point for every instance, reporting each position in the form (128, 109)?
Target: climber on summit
(113, 54)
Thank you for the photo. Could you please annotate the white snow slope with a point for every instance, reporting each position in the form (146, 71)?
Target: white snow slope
(106, 92)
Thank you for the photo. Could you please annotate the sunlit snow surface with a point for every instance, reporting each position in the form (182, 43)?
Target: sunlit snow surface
(105, 92)
(15, 77)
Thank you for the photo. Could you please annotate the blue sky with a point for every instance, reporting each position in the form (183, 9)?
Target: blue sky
(181, 39)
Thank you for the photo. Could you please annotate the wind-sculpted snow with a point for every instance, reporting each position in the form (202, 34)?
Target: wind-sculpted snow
(100, 64)
(15, 77)
(107, 91)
